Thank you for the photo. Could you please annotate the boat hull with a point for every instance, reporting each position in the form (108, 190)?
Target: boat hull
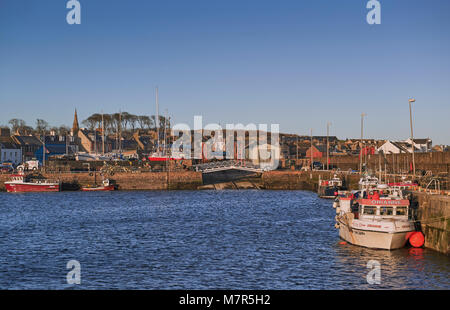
(328, 192)
(29, 187)
(373, 239)
(98, 189)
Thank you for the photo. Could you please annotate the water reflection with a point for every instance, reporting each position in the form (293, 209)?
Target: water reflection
(400, 269)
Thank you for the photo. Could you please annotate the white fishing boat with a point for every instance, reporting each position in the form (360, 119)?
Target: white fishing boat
(368, 182)
(376, 221)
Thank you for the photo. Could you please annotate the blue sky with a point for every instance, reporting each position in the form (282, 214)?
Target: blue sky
(296, 63)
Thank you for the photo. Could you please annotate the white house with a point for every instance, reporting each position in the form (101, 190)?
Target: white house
(424, 145)
(9, 152)
(392, 147)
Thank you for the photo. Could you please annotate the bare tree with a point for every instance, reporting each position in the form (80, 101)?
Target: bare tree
(132, 119)
(108, 123)
(89, 123)
(153, 118)
(93, 121)
(41, 125)
(144, 121)
(63, 130)
(116, 121)
(16, 124)
(124, 120)
(162, 121)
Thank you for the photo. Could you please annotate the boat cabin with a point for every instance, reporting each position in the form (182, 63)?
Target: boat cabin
(383, 208)
(368, 182)
(334, 182)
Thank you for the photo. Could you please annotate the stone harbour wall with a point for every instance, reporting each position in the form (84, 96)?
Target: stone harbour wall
(434, 215)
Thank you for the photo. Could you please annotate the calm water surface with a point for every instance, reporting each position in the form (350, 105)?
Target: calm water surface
(194, 240)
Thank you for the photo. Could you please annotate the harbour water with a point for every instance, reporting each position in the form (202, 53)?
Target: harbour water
(232, 239)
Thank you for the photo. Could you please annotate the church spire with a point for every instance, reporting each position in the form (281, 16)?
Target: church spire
(75, 126)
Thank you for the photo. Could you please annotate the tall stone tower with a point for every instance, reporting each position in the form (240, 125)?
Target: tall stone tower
(75, 126)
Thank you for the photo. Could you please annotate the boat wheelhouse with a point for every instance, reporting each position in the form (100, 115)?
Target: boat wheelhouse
(368, 182)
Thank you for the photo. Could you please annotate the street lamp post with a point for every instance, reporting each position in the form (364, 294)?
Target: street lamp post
(312, 154)
(328, 146)
(412, 134)
(296, 143)
(361, 147)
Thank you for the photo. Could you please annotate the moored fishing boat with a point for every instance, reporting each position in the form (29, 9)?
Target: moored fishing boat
(329, 189)
(21, 183)
(105, 186)
(376, 221)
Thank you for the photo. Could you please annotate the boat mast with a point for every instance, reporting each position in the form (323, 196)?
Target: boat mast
(120, 132)
(312, 158)
(43, 148)
(157, 122)
(379, 164)
(165, 133)
(103, 135)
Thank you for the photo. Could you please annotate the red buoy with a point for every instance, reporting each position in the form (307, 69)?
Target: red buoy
(417, 239)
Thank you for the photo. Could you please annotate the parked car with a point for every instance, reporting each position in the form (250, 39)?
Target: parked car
(30, 165)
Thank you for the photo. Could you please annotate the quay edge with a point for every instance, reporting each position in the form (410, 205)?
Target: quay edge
(434, 216)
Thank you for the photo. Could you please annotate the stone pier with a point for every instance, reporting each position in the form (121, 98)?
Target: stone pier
(434, 216)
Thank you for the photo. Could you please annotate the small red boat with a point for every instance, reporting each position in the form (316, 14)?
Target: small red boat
(106, 186)
(21, 183)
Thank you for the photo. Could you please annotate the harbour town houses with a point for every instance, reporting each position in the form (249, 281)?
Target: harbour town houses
(10, 152)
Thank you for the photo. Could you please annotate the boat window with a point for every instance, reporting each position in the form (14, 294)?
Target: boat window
(386, 211)
(401, 211)
(370, 210)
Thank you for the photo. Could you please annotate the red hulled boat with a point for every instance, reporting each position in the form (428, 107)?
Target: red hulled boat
(21, 183)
